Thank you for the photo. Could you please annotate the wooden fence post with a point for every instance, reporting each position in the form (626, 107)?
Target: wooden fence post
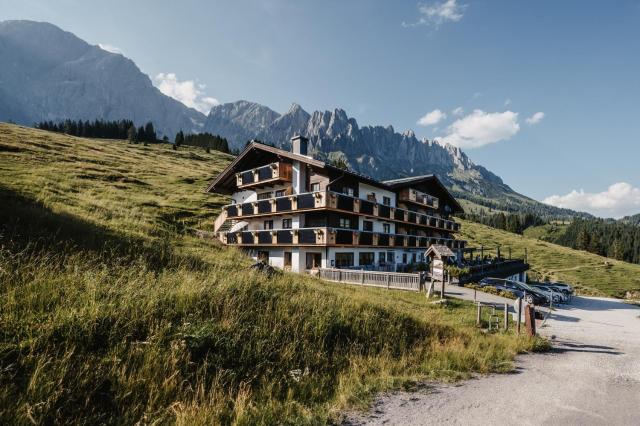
(479, 314)
(506, 317)
(519, 320)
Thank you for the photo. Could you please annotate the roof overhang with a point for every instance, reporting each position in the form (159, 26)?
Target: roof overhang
(443, 191)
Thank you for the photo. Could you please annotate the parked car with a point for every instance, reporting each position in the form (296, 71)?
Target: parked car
(563, 287)
(492, 282)
(531, 294)
(558, 296)
(510, 289)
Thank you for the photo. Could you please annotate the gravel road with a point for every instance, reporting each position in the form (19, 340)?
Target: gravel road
(591, 377)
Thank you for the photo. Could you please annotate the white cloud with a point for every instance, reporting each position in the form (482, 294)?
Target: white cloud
(620, 199)
(507, 102)
(432, 118)
(187, 92)
(457, 111)
(110, 48)
(482, 128)
(438, 13)
(535, 118)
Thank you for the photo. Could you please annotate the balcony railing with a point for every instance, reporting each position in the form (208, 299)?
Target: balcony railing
(414, 196)
(335, 201)
(324, 236)
(274, 172)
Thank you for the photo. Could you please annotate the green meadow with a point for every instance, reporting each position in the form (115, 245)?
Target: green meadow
(112, 312)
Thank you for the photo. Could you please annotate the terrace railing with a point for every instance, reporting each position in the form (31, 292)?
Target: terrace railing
(388, 280)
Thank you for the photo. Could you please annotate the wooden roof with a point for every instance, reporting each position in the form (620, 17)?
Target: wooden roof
(440, 251)
(255, 153)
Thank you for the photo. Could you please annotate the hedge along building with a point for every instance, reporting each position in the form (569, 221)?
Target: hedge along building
(300, 213)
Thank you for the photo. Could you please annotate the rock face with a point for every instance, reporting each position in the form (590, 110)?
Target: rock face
(50, 74)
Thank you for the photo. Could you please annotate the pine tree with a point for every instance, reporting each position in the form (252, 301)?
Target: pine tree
(617, 250)
(583, 240)
(179, 140)
(149, 132)
(131, 134)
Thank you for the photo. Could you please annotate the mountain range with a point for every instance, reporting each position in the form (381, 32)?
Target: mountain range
(50, 74)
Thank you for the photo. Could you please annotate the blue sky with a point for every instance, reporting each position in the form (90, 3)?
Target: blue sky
(485, 67)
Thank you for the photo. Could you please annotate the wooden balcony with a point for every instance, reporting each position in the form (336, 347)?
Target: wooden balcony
(323, 236)
(409, 195)
(270, 174)
(328, 200)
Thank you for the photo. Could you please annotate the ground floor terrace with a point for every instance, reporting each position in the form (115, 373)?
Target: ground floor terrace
(300, 259)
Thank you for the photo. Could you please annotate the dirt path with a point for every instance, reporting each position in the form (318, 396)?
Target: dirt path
(592, 377)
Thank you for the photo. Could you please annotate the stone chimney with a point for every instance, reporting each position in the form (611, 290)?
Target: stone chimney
(300, 145)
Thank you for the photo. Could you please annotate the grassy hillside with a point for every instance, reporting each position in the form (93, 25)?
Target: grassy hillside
(590, 273)
(112, 313)
(546, 232)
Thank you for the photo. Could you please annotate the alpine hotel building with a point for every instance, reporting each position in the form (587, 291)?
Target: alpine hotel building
(299, 213)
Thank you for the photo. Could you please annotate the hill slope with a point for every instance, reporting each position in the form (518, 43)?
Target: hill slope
(112, 313)
(590, 273)
(50, 74)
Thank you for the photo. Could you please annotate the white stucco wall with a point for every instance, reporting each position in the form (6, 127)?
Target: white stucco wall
(364, 189)
(244, 197)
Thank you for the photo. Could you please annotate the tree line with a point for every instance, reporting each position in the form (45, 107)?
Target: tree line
(205, 140)
(103, 129)
(614, 239)
(511, 222)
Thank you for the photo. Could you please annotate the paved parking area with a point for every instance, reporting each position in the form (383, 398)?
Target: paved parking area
(591, 377)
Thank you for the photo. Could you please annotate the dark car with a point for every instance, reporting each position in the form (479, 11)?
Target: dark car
(530, 294)
(514, 291)
(491, 282)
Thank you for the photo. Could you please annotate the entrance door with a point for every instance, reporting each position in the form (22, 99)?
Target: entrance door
(314, 260)
(287, 260)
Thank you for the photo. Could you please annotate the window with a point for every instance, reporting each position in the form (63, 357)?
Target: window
(286, 223)
(345, 222)
(381, 258)
(263, 256)
(280, 193)
(386, 201)
(371, 197)
(287, 260)
(366, 258)
(268, 224)
(367, 225)
(264, 195)
(344, 260)
(315, 187)
(415, 258)
(348, 190)
(404, 257)
(386, 228)
(391, 257)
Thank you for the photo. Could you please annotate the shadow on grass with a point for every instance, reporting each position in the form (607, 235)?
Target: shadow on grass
(28, 224)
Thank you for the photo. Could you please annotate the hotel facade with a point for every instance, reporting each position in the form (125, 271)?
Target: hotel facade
(299, 213)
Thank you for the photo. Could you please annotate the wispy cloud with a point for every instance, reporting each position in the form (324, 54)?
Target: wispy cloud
(431, 118)
(438, 13)
(110, 48)
(620, 199)
(535, 118)
(507, 102)
(188, 92)
(481, 128)
(457, 111)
